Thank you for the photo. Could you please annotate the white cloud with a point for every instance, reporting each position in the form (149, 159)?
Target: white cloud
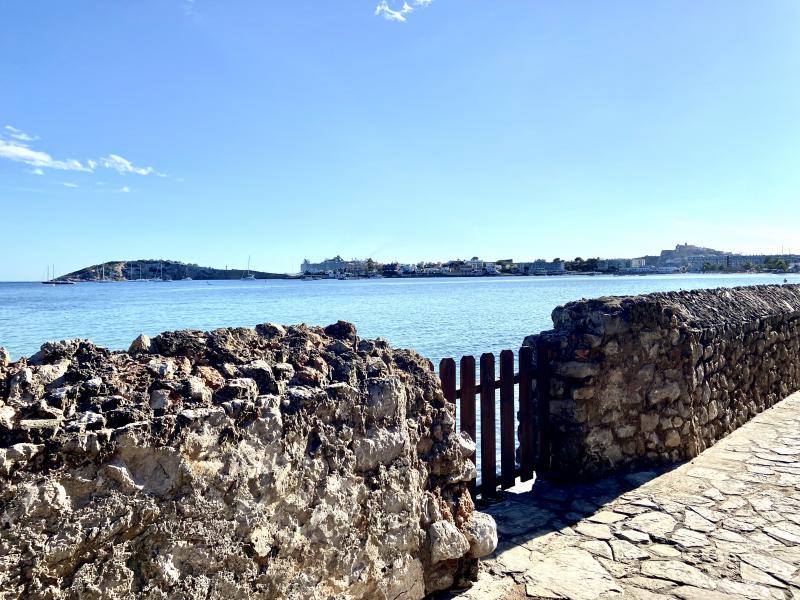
(385, 10)
(124, 189)
(20, 135)
(69, 185)
(19, 152)
(123, 166)
(15, 146)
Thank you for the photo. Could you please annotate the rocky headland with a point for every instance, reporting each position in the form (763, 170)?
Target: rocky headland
(275, 462)
(167, 270)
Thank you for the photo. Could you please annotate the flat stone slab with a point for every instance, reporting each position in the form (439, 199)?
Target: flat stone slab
(724, 526)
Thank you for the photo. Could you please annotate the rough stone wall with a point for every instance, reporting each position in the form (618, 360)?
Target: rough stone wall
(660, 377)
(242, 463)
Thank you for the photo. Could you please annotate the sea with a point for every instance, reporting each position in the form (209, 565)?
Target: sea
(438, 317)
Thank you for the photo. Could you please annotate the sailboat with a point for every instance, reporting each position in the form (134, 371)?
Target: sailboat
(186, 274)
(103, 277)
(249, 276)
(49, 280)
(160, 272)
(52, 280)
(141, 277)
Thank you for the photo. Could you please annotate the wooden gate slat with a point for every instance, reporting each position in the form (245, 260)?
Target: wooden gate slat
(447, 375)
(468, 403)
(488, 442)
(507, 437)
(526, 414)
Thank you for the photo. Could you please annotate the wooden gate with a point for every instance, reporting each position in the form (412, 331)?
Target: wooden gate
(523, 394)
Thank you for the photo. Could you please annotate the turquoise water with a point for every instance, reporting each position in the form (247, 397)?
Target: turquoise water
(437, 317)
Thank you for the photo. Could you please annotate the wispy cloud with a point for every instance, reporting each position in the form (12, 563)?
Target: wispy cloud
(20, 152)
(20, 135)
(393, 11)
(69, 185)
(15, 146)
(124, 189)
(123, 166)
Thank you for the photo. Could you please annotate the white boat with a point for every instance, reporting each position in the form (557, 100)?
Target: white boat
(160, 273)
(103, 277)
(249, 276)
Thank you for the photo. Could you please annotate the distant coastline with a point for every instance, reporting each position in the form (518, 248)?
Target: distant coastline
(159, 270)
(685, 258)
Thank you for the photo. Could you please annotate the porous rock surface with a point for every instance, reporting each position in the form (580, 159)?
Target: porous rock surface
(272, 462)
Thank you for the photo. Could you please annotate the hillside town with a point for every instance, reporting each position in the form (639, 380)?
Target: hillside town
(684, 258)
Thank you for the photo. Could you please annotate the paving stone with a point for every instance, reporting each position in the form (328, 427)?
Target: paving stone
(747, 590)
(625, 551)
(781, 534)
(633, 535)
(729, 536)
(514, 518)
(678, 572)
(769, 564)
(607, 517)
(656, 524)
(733, 504)
(598, 548)
(664, 551)
(619, 570)
(755, 575)
(694, 521)
(634, 593)
(714, 494)
(692, 593)
(594, 530)
(707, 473)
(689, 539)
(648, 583)
(725, 525)
(516, 559)
(570, 573)
(740, 525)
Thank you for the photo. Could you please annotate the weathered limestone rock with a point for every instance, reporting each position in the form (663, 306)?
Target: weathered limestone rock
(275, 462)
(141, 344)
(658, 378)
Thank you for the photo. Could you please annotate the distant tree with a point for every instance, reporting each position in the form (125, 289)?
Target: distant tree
(773, 263)
(712, 268)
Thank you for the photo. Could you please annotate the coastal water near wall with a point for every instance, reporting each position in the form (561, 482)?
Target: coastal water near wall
(242, 463)
(659, 377)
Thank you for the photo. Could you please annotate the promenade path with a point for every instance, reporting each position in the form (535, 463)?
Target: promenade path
(725, 525)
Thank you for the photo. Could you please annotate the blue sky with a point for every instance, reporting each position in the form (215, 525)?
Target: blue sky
(208, 131)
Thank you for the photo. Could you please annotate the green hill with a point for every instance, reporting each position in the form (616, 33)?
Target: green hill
(169, 270)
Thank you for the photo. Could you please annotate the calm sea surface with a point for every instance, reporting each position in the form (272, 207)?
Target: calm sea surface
(437, 317)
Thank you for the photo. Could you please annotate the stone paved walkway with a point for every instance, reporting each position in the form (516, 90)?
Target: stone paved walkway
(725, 525)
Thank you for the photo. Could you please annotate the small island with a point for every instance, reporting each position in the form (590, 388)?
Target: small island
(159, 270)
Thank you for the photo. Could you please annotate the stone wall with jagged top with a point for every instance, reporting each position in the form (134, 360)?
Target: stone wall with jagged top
(275, 462)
